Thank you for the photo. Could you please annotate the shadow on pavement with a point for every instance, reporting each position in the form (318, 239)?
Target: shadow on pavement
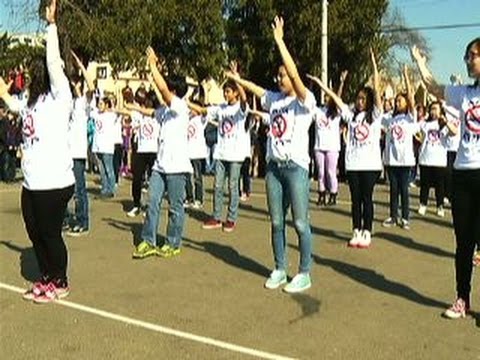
(134, 228)
(410, 244)
(28, 261)
(309, 305)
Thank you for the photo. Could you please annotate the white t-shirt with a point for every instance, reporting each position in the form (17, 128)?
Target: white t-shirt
(467, 100)
(47, 160)
(173, 156)
(147, 129)
(233, 140)
(78, 128)
(363, 151)
(433, 151)
(197, 146)
(327, 131)
(289, 122)
(105, 133)
(399, 132)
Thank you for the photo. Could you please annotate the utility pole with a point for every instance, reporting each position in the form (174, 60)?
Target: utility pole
(324, 70)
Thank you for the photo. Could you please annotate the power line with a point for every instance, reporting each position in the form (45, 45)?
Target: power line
(434, 27)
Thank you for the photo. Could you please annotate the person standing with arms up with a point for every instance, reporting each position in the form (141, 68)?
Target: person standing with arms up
(291, 113)
(46, 164)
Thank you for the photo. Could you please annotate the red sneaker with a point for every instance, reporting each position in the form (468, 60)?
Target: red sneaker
(228, 226)
(458, 310)
(37, 289)
(51, 293)
(212, 224)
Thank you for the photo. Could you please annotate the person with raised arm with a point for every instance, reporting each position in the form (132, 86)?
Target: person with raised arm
(233, 145)
(79, 145)
(466, 174)
(46, 164)
(291, 113)
(363, 160)
(171, 167)
(327, 146)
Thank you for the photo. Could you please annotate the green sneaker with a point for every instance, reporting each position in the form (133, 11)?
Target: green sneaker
(143, 250)
(167, 251)
(276, 278)
(299, 283)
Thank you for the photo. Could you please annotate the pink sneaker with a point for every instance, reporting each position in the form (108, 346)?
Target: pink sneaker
(212, 224)
(51, 293)
(228, 226)
(37, 289)
(458, 310)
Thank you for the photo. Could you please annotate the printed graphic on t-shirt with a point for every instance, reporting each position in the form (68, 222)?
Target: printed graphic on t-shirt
(472, 119)
(397, 132)
(433, 136)
(279, 126)
(28, 130)
(192, 130)
(99, 126)
(227, 127)
(361, 133)
(323, 122)
(147, 131)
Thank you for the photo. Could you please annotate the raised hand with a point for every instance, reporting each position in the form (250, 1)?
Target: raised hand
(50, 12)
(343, 75)
(152, 58)
(417, 54)
(277, 27)
(374, 60)
(3, 87)
(233, 66)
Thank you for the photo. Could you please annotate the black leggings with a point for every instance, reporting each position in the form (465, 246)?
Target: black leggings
(432, 176)
(43, 212)
(141, 162)
(361, 185)
(466, 221)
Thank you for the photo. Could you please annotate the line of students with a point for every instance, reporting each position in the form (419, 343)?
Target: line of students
(291, 111)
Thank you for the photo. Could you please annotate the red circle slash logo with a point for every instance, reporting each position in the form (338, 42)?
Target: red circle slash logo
(191, 131)
(279, 126)
(472, 119)
(147, 130)
(397, 132)
(227, 127)
(28, 127)
(361, 132)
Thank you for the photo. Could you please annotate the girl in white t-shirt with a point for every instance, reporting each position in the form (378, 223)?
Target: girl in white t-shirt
(466, 176)
(363, 159)
(398, 156)
(327, 147)
(433, 157)
(46, 164)
(291, 112)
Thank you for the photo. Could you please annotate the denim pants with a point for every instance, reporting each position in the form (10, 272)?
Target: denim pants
(106, 173)
(81, 198)
(174, 186)
(288, 184)
(197, 165)
(399, 177)
(221, 169)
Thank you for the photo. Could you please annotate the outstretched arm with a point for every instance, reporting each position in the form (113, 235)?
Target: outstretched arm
(290, 67)
(256, 90)
(197, 108)
(376, 81)
(86, 76)
(338, 101)
(410, 94)
(432, 86)
(343, 77)
(243, 97)
(158, 79)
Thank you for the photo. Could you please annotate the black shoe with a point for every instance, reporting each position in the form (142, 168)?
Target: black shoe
(322, 198)
(332, 199)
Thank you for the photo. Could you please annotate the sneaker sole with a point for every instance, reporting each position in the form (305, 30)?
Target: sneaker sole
(228, 230)
(276, 286)
(79, 234)
(211, 227)
(143, 256)
(294, 291)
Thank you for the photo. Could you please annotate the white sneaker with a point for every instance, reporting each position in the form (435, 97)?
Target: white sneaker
(365, 240)
(134, 212)
(422, 210)
(277, 278)
(440, 212)
(355, 240)
(299, 283)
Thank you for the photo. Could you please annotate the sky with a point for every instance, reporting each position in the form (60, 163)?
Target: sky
(447, 45)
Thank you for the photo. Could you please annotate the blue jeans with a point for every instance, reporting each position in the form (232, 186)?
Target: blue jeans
(174, 186)
(288, 184)
(81, 198)
(399, 180)
(196, 195)
(221, 168)
(106, 173)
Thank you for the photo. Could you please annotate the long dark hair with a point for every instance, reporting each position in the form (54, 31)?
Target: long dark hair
(395, 109)
(40, 80)
(332, 109)
(470, 45)
(370, 103)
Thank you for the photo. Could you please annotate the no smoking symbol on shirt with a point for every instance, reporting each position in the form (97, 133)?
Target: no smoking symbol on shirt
(397, 132)
(227, 127)
(433, 136)
(147, 130)
(362, 132)
(279, 126)
(323, 121)
(28, 126)
(191, 131)
(98, 125)
(472, 119)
